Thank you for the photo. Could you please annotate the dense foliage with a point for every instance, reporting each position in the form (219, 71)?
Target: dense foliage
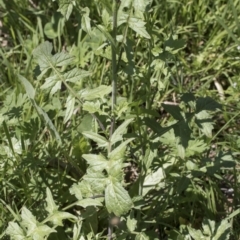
(119, 119)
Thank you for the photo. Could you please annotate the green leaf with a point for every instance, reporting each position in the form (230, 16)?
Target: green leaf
(118, 152)
(28, 87)
(48, 122)
(86, 25)
(137, 25)
(98, 92)
(204, 122)
(152, 179)
(96, 181)
(103, 30)
(97, 162)
(196, 234)
(195, 146)
(117, 199)
(131, 222)
(70, 103)
(223, 231)
(56, 216)
(15, 232)
(142, 236)
(140, 5)
(117, 135)
(100, 140)
(62, 59)
(89, 202)
(93, 107)
(75, 75)
(43, 55)
(76, 190)
(66, 7)
(42, 232)
(28, 220)
(174, 110)
(174, 44)
(86, 123)
(207, 104)
(51, 206)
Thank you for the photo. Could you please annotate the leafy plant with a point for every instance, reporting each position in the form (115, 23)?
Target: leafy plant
(110, 111)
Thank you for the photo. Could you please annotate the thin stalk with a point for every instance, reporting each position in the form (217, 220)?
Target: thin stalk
(114, 88)
(114, 65)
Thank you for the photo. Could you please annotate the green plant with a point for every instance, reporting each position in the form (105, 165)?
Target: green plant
(103, 115)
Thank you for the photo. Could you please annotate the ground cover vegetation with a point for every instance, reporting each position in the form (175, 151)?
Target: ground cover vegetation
(119, 119)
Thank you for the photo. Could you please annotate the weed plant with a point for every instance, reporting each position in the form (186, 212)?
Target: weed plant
(119, 119)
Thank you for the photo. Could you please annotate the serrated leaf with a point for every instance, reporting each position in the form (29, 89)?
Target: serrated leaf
(98, 92)
(15, 232)
(75, 75)
(137, 25)
(97, 162)
(117, 135)
(89, 202)
(100, 140)
(118, 152)
(43, 55)
(117, 199)
(62, 59)
(56, 87)
(50, 82)
(28, 87)
(152, 179)
(97, 181)
(70, 103)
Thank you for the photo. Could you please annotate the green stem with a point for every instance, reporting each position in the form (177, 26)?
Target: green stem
(114, 88)
(114, 65)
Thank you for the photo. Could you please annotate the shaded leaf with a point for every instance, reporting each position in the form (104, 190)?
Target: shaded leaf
(207, 104)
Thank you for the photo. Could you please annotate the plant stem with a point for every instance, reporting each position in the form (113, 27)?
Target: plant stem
(114, 88)
(114, 65)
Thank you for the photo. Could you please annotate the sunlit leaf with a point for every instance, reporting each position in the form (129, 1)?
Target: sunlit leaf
(117, 199)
